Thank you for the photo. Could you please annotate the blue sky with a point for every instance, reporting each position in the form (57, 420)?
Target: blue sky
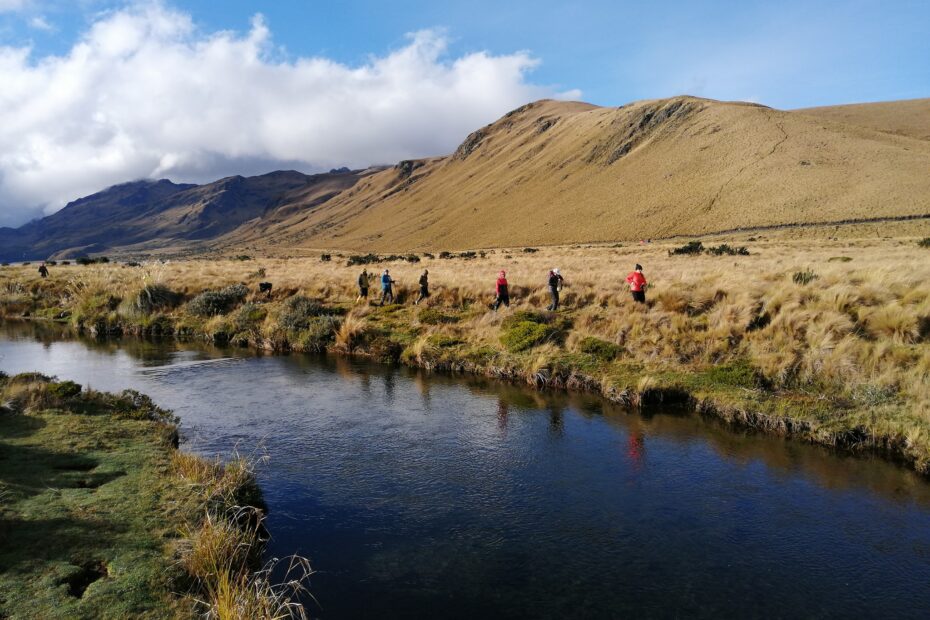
(96, 92)
(785, 54)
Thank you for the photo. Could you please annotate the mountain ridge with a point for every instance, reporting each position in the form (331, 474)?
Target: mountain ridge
(548, 172)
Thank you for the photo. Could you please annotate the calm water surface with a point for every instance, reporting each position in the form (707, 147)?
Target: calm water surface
(420, 496)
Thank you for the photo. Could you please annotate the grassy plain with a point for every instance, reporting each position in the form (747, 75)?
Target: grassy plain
(840, 356)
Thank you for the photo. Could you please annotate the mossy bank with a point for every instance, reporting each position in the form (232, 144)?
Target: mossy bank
(102, 517)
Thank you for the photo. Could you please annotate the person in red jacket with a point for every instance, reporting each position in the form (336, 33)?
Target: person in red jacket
(501, 292)
(637, 282)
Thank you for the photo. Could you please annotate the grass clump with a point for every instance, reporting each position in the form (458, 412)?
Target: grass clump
(525, 329)
(297, 311)
(152, 298)
(600, 349)
(435, 316)
(804, 277)
(839, 259)
(212, 303)
(924, 243)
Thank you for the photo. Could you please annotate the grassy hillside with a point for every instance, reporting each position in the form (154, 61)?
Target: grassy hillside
(556, 172)
(904, 118)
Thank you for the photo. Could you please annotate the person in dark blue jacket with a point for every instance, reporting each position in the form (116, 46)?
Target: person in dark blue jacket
(387, 287)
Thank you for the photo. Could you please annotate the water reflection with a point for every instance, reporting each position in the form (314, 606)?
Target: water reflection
(420, 495)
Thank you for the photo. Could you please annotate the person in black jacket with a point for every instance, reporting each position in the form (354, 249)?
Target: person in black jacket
(43, 270)
(424, 287)
(555, 286)
(362, 286)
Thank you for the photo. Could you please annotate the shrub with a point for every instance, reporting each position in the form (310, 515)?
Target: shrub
(211, 303)
(601, 349)
(924, 243)
(428, 255)
(133, 263)
(297, 312)
(691, 248)
(154, 297)
(51, 263)
(839, 259)
(320, 331)
(530, 250)
(412, 258)
(524, 330)
(724, 249)
(87, 260)
(243, 257)
(366, 259)
(248, 315)
(804, 277)
(445, 254)
(65, 262)
(64, 389)
(434, 316)
(325, 258)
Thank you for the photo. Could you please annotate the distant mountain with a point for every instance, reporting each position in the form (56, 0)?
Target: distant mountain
(148, 215)
(549, 172)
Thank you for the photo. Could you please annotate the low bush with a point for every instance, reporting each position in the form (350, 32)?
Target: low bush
(600, 349)
(297, 311)
(525, 329)
(243, 257)
(725, 250)
(363, 259)
(690, 248)
(839, 259)
(325, 258)
(530, 250)
(153, 297)
(87, 260)
(64, 389)
(212, 303)
(444, 255)
(319, 332)
(924, 243)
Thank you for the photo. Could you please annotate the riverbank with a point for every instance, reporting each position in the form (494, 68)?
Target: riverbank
(829, 343)
(102, 517)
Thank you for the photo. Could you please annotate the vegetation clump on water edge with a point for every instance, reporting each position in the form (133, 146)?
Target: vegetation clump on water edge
(102, 516)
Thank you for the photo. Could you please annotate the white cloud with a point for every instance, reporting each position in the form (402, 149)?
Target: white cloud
(9, 6)
(40, 23)
(145, 93)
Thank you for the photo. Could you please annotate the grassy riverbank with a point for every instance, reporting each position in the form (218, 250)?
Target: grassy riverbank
(826, 340)
(102, 517)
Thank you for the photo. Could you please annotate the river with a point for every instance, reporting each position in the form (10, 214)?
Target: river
(429, 496)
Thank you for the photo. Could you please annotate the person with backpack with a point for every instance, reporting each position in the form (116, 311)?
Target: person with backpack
(424, 287)
(387, 290)
(555, 287)
(638, 284)
(501, 291)
(43, 270)
(362, 286)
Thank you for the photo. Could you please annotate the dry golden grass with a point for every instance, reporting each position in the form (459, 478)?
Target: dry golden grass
(859, 333)
(560, 172)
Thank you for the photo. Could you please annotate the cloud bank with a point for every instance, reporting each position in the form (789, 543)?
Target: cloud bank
(145, 93)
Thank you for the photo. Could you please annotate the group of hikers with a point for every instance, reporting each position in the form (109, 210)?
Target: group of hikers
(635, 280)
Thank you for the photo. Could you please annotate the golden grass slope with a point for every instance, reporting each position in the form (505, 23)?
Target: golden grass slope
(904, 118)
(563, 172)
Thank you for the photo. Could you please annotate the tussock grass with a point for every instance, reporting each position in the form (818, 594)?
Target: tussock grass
(859, 329)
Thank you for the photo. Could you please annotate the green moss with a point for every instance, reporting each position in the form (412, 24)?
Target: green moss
(85, 501)
(443, 341)
(600, 349)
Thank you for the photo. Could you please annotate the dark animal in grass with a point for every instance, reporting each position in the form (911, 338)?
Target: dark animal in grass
(265, 287)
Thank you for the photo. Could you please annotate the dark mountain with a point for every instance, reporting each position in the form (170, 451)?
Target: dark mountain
(157, 214)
